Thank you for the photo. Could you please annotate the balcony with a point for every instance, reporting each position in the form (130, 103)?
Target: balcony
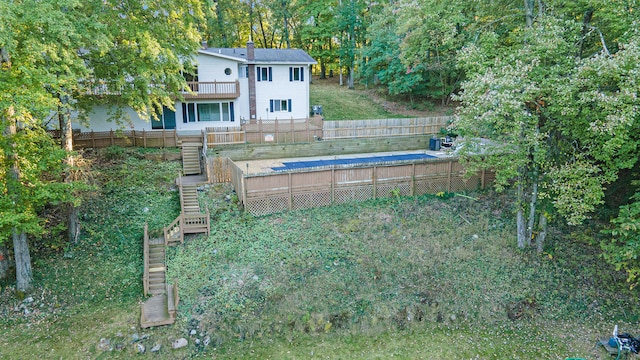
(213, 90)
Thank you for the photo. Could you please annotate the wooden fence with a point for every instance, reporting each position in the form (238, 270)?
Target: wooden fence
(353, 129)
(218, 169)
(276, 192)
(124, 138)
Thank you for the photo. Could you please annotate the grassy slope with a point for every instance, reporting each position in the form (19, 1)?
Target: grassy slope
(340, 103)
(334, 282)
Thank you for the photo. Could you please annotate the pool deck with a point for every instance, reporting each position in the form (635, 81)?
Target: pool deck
(266, 166)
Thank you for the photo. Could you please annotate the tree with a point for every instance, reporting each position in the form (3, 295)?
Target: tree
(70, 55)
(543, 108)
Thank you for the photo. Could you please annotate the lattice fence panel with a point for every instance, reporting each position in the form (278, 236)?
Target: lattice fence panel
(265, 206)
(464, 184)
(348, 194)
(386, 190)
(310, 200)
(430, 186)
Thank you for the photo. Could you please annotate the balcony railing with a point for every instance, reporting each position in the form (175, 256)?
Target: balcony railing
(213, 90)
(201, 90)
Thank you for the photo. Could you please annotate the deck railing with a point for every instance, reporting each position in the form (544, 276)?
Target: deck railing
(196, 223)
(145, 276)
(213, 90)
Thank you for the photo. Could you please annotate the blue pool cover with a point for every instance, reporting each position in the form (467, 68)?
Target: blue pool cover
(350, 161)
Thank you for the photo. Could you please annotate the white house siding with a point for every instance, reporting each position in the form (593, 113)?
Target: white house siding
(211, 68)
(98, 121)
(280, 88)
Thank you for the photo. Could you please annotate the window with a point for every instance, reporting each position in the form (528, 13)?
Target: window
(218, 111)
(264, 73)
(296, 74)
(227, 71)
(244, 72)
(280, 105)
(165, 119)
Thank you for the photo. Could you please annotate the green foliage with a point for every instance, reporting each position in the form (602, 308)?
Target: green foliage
(622, 249)
(39, 161)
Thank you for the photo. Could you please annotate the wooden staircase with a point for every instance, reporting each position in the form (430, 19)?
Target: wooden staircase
(191, 158)
(157, 271)
(161, 307)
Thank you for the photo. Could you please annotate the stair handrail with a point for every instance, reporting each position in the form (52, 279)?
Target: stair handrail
(178, 222)
(145, 276)
(200, 219)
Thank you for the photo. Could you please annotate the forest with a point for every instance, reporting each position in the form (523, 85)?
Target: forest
(552, 85)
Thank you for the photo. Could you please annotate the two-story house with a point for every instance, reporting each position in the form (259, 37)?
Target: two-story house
(230, 87)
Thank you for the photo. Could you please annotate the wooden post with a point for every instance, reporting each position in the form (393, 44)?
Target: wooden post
(449, 177)
(333, 186)
(144, 139)
(93, 139)
(290, 202)
(164, 140)
(293, 134)
(277, 132)
(413, 179)
(375, 183)
(260, 129)
(175, 136)
(111, 136)
(482, 180)
(307, 127)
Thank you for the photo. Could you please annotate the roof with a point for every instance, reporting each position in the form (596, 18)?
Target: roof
(263, 56)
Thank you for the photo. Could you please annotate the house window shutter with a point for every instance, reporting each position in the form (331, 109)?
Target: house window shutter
(270, 105)
(231, 112)
(290, 74)
(270, 76)
(301, 74)
(289, 105)
(259, 72)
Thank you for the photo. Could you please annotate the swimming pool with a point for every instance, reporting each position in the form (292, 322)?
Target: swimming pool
(293, 165)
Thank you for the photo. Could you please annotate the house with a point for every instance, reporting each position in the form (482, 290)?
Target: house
(231, 86)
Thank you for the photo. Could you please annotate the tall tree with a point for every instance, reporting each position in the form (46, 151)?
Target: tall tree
(543, 108)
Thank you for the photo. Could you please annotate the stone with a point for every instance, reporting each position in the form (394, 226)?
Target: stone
(206, 341)
(197, 341)
(28, 300)
(180, 343)
(139, 348)
(135, 337)
(156, 348)
(193, 332)
(104, 345)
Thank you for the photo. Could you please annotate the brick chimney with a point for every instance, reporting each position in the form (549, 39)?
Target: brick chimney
(252, 81)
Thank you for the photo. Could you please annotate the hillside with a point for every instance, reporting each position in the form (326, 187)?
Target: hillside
(424, 277)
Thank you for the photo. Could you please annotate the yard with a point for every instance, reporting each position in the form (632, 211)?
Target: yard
(423, 277)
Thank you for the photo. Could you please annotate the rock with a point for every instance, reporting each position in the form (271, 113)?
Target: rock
(139, 348)
(156, 348)
(193, 332)
(119, 347)
(197, 341)
(104, 345)
(452, 317)
(180, 343)
(206, 341)
(28, 300)
(135, 337)
(146, 209)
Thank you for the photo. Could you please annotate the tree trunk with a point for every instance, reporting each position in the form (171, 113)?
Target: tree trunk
(24, 275)
(5, 263)
(350, 80)
(543, 233)
(532, 209)
(520, 225)
(66, 138)
(528, 12)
